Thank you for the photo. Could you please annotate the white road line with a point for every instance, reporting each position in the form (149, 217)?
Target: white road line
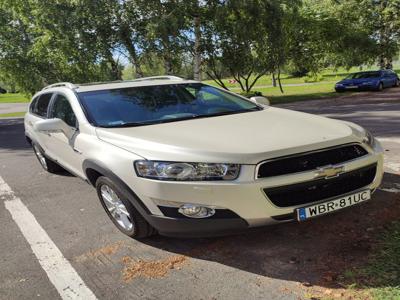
(59, 271)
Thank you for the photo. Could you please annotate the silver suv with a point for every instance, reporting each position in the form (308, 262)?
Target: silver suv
(183, 158)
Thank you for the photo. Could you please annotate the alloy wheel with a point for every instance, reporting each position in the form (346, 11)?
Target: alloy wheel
(116, 207)
(40, 157)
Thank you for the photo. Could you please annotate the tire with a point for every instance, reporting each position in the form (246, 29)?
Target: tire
(121, 211)
(397, 83)
(47, 164)
(380, 87)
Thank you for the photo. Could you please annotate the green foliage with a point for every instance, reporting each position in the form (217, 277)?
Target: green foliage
(43, 42)
(251, 94)
(313, 78)
(245, 38)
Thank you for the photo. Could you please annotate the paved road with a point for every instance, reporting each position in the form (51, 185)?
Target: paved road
(6, 108)
(270, 263)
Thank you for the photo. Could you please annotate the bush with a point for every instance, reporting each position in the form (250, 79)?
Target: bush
(251, 94)
(313, 78)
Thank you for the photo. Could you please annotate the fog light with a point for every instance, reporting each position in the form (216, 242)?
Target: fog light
(195, 211)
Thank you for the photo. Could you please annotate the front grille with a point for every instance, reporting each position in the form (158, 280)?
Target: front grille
(310, 161)
(320, 189)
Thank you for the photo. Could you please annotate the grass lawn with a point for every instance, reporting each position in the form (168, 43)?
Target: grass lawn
(13, 98)
(9, 115)
(328, 75)
(298, 93)
(380, 280)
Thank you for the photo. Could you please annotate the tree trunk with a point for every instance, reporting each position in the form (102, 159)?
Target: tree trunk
(127, 42)
(279, 80)
(168, 65)
(197, 53)
(273, 80)
(116, 73)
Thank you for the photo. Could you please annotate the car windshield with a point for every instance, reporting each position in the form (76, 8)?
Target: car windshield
(136, 106)
(362, 75)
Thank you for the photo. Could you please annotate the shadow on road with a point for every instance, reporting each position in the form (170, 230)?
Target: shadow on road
(12, 137)
(315, 252)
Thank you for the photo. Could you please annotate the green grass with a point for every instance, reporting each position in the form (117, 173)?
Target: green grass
(15, 114)
(13, 98)
(299, 93)
(328, 75)
(381, 278)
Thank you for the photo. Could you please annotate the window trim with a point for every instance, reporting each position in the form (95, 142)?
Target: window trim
(51, 104)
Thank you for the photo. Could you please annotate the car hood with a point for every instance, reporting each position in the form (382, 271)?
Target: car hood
(245, 138)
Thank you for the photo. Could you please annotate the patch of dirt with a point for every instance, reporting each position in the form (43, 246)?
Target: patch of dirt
(151, 269)
(109, 249)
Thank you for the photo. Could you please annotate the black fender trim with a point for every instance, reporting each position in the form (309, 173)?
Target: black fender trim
(99, 167)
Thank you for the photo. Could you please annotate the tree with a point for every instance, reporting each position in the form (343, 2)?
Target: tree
(246, 38)
(43, 43)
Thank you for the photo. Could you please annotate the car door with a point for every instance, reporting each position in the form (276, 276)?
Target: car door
(387, 79)
(393, 77)
(60, 145)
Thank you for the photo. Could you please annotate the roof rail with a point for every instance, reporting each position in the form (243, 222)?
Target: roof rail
(163, 77)
(65, 84)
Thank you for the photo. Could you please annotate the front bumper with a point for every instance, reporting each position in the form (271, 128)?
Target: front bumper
(244, 197)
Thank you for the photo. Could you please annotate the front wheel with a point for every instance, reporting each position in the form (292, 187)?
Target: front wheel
(380, 87)
(118, 207)
(47, 164)
(397, 83)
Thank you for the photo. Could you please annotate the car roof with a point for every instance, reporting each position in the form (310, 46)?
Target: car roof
(97, 86)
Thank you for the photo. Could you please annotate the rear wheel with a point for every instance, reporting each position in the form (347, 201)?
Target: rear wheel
(47, 164)
(118, 207)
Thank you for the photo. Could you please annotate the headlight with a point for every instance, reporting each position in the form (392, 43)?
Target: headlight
(369, 139)
(186, 171)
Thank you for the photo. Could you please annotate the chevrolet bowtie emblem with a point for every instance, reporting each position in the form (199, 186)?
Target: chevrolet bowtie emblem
(329, 172)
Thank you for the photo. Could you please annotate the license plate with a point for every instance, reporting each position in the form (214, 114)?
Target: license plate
(352, 87)
(308, 212)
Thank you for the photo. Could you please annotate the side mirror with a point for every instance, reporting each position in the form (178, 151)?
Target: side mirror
(260, 100)
(53, 126)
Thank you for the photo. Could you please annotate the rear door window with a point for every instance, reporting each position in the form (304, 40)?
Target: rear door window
(42, 105)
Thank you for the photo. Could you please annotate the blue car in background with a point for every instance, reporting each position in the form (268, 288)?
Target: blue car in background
(369, 80)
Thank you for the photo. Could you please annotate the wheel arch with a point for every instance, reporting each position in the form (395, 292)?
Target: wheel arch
(93, 169)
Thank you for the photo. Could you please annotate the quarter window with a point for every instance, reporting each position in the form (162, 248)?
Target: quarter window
(61, 109)
(32, 106)
(42, 105)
